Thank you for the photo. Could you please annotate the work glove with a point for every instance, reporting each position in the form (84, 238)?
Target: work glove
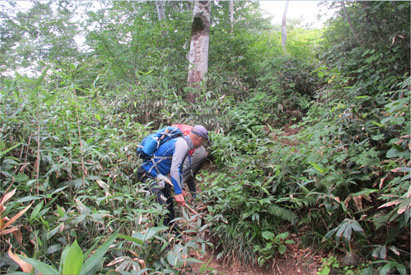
(180, 199)
(161, 184)
(161, 180)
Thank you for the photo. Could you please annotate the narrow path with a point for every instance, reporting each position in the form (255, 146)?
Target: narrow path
(295, 261)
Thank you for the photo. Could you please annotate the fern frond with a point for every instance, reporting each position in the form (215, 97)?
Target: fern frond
(282, 213)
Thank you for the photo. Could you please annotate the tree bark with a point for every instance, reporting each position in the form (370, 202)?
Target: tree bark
(161, 15)
(160, 10)
(232, 15)
(284, 27)
(198, 56)
(349, 23)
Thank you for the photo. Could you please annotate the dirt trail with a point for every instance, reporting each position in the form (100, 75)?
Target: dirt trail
(296, 260)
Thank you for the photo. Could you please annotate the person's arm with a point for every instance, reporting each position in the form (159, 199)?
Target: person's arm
(180, 152)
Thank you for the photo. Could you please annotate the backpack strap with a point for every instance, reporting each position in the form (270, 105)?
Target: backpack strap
(155, 163)
(161, 158)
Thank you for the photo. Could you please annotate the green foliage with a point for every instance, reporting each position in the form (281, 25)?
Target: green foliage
(274, 245)
(378, 45)
(345, 229)
(45, 33)
(328, 264)
(333, 265)
(290, 85)
(68, 136)
(73, 158)
(347, 172)
(71, 261)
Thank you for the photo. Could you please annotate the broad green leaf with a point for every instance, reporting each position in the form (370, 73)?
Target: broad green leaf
(9, 149)
(41, 78)
(44, 222)
(21, 178)
(402, 169)
(268, 235)
(40, 267)
(127, 122)
(282, 248)
(364, 192)
(36, 210)
(171, 258)
(52, 249)
(74, 260)
(149, 233)
(341, 230)
(317, 167)
(114, 272)
(59, 189)
(378, 124)
(96, 258)
(381, 252)
(390, 267)
(60, 211)
(378, 137)
(29, 198)
(348, 232)
(73, 66)
(394, 153)
(357, 227)
(63, 257)
(329, 234)
(283, 235)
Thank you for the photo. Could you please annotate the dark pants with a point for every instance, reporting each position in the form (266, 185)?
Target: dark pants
(163, 196)
(191, 170)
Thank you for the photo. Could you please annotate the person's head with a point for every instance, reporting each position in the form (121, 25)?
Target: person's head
(198, 135)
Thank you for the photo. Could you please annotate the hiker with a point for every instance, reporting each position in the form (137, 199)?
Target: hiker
(193, 163)
(169, 159)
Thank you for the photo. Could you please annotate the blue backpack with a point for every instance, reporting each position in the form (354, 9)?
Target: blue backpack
(151, 142)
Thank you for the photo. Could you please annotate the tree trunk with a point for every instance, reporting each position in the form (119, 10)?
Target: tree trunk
(232, 15)
(160, 11)
(284, 28)
(349, 23)
(198, 56)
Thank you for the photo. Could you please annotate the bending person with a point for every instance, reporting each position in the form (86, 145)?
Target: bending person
(169, 159)
(193, 163)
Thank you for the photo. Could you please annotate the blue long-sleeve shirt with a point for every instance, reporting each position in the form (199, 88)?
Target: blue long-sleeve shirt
(169, 159)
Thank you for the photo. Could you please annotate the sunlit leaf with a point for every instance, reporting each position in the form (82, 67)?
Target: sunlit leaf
(267, 235)
(74, 260)
(317, 167)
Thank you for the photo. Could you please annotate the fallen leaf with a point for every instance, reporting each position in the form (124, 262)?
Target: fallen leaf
(26, 267)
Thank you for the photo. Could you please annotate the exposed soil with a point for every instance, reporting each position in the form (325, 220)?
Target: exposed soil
(294, 261)
(284, 137)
